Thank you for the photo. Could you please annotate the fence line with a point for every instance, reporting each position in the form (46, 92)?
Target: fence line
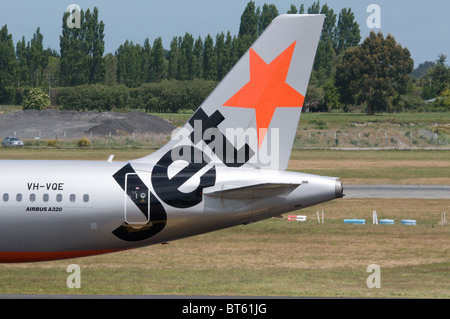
(310, 139)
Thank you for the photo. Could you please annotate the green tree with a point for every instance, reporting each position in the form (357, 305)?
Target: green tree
(186, 58)
(347, 33)
(37, 59)
(301, 10)
(52, 74)
(314, 8)
(130, 64)
(146, 61)
(82, 49)
(248, 28)
(443, 101)
(249, 21)
(96, 45)
(74, 58)
(36, 100)
(324, 61)
(374, 72)
(8, 61)
(197, 52)
(325, 55)
(172, 72)
(111, 69)
(222, 56)
(437, 79)
(268, 13)
(209, 60)
(22, 62)
(158, 61)
(332, 98)
(329, 23)
(230, 48)
(292, 10)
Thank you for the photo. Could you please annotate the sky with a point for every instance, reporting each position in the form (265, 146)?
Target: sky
(421, 26)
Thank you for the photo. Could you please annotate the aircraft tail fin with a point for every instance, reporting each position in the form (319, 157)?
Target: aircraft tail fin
(251, 117)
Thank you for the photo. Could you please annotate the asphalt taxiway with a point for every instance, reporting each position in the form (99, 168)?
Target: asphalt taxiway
(397, 191)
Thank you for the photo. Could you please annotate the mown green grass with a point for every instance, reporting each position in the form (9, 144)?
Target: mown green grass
(271, 258)
(335, 119)
(80, 154)
(367, 167)
(342, 121)
(371, 167)
(392, 175)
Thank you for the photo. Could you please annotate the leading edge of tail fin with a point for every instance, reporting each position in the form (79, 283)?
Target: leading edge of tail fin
(251, 117)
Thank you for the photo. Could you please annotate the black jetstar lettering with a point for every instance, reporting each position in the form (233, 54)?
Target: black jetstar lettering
(223, 148)
(158, 216)
(168, 188)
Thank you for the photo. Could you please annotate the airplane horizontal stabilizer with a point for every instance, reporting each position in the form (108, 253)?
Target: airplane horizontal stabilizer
(252, 191)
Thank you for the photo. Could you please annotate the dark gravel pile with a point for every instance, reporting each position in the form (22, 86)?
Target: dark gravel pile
(52, 123)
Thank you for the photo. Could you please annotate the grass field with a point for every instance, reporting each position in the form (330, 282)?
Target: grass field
(315, 131)
(353, 167)
(357, 130)
(271, 258)
(277, 257)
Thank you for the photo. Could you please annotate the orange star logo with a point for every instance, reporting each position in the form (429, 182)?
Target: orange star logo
(267, 89)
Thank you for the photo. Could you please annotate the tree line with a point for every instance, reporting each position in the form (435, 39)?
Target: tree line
(347, 74)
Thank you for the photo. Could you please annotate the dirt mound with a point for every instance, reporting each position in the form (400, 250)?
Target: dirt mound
(51, 123)
(134, 122)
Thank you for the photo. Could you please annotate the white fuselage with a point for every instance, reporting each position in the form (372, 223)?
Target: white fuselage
(65, 209)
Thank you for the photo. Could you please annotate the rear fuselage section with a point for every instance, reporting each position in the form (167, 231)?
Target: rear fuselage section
(51, 209)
